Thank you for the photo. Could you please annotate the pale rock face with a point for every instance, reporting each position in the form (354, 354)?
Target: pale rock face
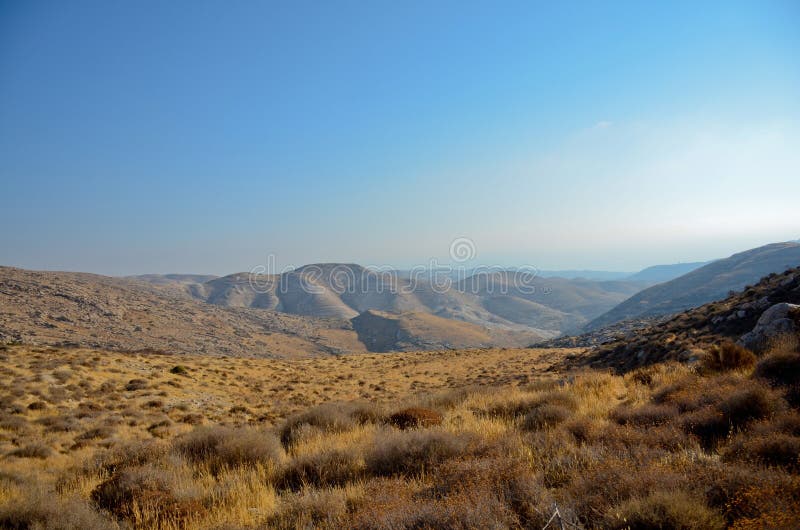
(780, 319)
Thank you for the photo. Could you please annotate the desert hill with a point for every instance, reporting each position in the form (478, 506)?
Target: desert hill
(88, 310)
(708, 283)
(549, 307)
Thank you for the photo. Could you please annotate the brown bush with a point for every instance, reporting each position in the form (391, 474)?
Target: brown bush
(33, 450)
(411, 452)
(311, 509)
(329, 417)
(36, 510)
(519, 408)
(727, 356)
(776, 449)
(663, 509)
(221, 447)
(136, 384)
(37, 405)
(545, 416)
(755, 497)
(781, 368)
(145, 493)
(646, 415)
(415, 417)
(59, 423)
(332, 467)
(743, 406)
(96, 433)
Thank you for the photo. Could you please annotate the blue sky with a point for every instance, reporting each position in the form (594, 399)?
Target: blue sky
(203, 136)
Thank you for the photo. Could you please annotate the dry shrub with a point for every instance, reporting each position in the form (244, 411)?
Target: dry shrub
(220, 447)
(331, 467)
(13, 423)
(633, 439)
(782, 369)
(146, 495)
(136, 454)
(663, 509)
(775, 449)
(328, 417)
(520, 407)
(32, 450)
(59, 423)
(412, 452)
(192, 419)
(415, 417)
(502, 478)
(545, 416)
(647, 415)
(391, 504)
(755, 497)
(136, 384)
(311, 509)
(727, 356)
(749, 403)
(98, 433)
(37, 405)
(39, 511)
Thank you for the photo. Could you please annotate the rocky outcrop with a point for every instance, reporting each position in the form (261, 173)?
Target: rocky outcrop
(780, 319)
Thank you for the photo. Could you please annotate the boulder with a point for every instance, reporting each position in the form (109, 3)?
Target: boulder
(780, 319)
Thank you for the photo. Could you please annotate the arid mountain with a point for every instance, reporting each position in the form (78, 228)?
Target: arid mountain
(708, 283)
(665, 273)
(681, 336)
(75, 309)
(499, 300)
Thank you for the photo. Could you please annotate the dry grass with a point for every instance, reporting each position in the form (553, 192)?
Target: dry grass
(248, 443)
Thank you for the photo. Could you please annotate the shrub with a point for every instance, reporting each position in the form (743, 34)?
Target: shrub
(646, 415)
(329, 417)
(136, 384)
(37, 405)
(48, 512)
(146, 495)
(415, 417)
(776, 449)
(179, 370)
(33, 450)
(780, 369)
(545, 416)
(663, 509)
(411, 452)
(727, 356)
(311, 509)
(221, 447)
(332, 467)
(96, 433)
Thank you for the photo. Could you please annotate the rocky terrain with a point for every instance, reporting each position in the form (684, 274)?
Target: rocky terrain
(687, 335)
(711, 282)
(75, 309)
(500, 300)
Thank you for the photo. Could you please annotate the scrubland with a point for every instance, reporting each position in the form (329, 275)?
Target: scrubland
(459, 439)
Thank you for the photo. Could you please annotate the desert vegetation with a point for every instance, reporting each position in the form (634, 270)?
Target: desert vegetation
(101, 440)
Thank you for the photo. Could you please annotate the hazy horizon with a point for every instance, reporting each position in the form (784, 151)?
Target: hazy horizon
(201, 137)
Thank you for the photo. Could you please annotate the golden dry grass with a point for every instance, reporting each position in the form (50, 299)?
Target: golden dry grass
(160, 441)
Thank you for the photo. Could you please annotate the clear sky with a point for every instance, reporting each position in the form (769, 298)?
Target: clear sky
(202, 136)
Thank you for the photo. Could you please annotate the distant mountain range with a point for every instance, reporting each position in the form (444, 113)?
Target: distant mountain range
(335, 308)
(710, 282)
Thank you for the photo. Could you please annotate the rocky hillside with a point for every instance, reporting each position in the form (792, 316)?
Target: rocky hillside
(706, 284)
(544, 306)
(682, 336)
(88, 310)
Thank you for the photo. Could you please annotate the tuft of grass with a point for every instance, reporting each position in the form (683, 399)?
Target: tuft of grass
(727, 356)
(677, 510)
(33, 450)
